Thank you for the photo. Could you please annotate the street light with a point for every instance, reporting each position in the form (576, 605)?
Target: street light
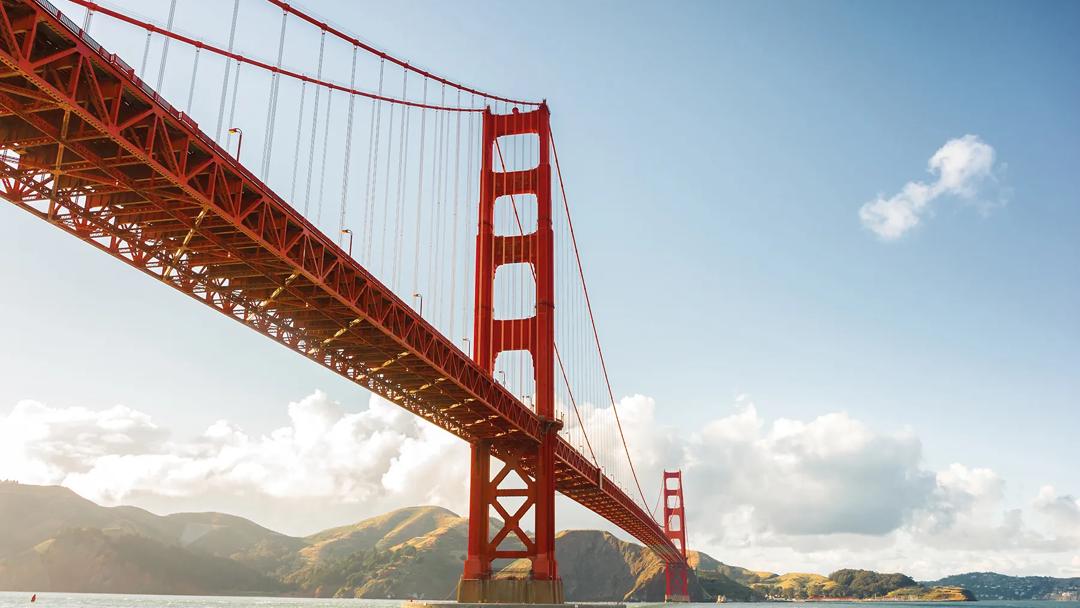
(465, 345)
(421, 309)
(348, 232)
(239, 141)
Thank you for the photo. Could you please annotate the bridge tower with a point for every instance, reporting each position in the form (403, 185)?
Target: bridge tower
(536, 335)
(676, 575)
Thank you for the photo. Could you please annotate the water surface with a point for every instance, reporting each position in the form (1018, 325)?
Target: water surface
(9, 599)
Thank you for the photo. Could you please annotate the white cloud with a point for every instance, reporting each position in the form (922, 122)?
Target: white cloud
(961, 166)
(778, 494)
(1063, 511)
(45, 444)
(832, 492)
(376, 459)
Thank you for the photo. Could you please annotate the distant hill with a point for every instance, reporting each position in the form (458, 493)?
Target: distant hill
(51, 539)
(35, 514)
(994, 586)
(417, 551)
(855, 584)
(411, 552)
(795, 585)
(88, 560)
(743, 576)
(596, 567)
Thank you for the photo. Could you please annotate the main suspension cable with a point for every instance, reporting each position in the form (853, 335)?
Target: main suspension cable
(592, 320)
(383, 55)
(151, 28)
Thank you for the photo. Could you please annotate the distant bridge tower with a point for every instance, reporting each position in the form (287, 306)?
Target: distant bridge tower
(676, 575)
(536, 335)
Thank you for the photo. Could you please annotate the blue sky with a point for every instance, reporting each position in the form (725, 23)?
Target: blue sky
(717, 156)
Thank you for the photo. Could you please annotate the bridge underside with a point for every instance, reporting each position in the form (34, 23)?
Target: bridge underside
(88, 147)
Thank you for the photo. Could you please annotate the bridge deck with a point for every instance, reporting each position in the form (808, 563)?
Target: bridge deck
(91, 149)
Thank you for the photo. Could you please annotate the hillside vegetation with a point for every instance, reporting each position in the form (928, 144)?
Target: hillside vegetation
(994, 586)
(854, 584)
(51, 539)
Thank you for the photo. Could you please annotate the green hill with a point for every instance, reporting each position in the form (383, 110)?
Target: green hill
(994, 586)
(51, 539)
(412, 552)
(40, 513)
(89, 560)
(855, 584)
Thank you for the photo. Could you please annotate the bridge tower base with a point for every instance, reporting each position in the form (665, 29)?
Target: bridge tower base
(510, 591)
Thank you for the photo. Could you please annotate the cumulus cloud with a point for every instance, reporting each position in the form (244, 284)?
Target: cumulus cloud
(833, 492)
(960, 167)
(782, 494)
(831, 475)
(1062, 510)
(827, 476)
(46, 444)
(378, 458)
(968, 512)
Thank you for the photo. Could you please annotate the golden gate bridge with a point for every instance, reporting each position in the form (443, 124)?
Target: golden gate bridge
(441, 185)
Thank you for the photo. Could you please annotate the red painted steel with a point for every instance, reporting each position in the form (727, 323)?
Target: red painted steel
(383, 55)
(535, 334)
(88, 147)
(198, 44)
(676, 573)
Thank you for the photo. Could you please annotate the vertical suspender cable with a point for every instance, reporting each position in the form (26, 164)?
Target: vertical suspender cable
(225, 78)
(86, 20)
(271, 110)
(299, 133)
(194, 73)
(403, 160)
(348, 151)
(386, 187)
(446, 223)
(454, 223)
(314, 126)
(325, 145)
(433, 227)
(419, 194)
(373, 177)
(470, 144)
(236, 90)
(367, 212)
(145, 56)
(165, 46)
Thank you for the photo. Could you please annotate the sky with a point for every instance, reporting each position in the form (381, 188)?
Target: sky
(833, 247)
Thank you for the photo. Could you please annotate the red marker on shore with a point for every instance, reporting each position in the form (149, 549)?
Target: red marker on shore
(33, 598)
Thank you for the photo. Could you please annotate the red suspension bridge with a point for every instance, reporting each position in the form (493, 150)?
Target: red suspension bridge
(402, 187)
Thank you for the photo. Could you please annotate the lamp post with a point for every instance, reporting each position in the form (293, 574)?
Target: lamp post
(421, 309)
(239, 141)
(348, 232)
